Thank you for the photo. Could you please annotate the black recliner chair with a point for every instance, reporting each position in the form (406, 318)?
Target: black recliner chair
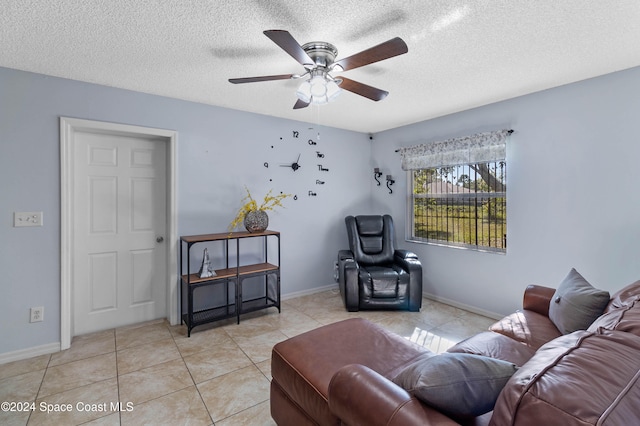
(373, 274)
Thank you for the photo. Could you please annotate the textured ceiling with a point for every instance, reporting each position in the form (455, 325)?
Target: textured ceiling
(462, 54)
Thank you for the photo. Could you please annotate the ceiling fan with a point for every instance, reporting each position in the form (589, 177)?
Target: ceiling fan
(318, 59)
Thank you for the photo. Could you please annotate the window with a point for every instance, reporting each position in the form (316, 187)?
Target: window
(462, 205)
(457, 191)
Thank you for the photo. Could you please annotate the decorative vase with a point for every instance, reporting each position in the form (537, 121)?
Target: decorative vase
(256, 221)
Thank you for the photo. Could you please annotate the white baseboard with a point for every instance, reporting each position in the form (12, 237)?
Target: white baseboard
(440, 299)
(21, 354)
(308, 292)
(55, 347)
(464, 306)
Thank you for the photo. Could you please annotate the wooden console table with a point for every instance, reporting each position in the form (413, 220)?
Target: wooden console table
(229, 276)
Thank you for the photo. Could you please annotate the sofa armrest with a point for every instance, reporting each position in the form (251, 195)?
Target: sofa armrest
(360, 396)
(537, 299)
(348, 280)
(408, 260)
(344, 255)
(405, 254)
(410, 263)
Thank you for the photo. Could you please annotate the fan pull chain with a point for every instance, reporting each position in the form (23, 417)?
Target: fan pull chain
(318, 120)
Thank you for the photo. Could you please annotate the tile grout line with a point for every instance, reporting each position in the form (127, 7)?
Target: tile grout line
(195, 385)
(274, 323)
(46, 368)
(115, 347)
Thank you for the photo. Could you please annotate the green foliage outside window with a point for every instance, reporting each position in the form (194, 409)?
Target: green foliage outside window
(461, 206)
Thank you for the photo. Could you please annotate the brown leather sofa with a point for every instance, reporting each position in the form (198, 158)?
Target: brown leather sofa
(341, 373)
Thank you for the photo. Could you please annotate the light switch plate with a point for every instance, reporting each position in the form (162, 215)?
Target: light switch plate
(27, 219)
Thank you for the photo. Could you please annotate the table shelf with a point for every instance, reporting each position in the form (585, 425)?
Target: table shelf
(229, 273)
(231, 276)
(206, 316)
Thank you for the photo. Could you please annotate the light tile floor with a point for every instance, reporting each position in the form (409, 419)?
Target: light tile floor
(152, 373)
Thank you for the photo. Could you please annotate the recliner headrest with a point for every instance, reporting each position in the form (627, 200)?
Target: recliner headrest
(370, 225)
(371, 238)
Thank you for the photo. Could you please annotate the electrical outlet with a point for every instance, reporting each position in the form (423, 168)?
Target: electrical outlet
(37, 314)
(27, 219)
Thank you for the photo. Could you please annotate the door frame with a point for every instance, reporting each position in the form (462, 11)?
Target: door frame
(68, 127)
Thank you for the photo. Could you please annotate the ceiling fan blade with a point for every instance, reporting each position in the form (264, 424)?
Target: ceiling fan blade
(289, 44)
(388, 49)
(362, 89)
(263, 78)
(300, 104)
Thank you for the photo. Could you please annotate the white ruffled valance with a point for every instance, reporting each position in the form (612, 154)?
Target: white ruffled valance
(479, 148)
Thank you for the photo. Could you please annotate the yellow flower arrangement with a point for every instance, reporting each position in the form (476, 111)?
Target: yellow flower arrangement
(270, 202)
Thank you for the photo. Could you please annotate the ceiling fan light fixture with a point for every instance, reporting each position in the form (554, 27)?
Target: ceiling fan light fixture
(333, 90)
(318, 86)
(319, 100)
(319, 59)
(304, 91)
(318, 90)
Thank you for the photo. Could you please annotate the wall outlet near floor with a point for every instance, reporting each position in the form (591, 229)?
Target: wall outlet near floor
(37, 314)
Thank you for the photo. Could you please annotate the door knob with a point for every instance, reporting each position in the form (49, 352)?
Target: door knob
(159, 240)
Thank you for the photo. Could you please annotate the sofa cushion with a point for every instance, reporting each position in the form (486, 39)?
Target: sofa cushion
(527, 327)
(459, 384)
(622, 312)
(496, 346)
(624, 318)
(576, 304)
(379, 281)
(583, 378)
(624, 296)
(302, 366)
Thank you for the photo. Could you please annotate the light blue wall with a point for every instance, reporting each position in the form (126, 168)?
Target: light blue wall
(219, 151)
(573, 192)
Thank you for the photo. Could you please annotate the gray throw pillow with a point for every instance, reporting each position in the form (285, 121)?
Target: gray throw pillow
(576, 304)
(458, 384)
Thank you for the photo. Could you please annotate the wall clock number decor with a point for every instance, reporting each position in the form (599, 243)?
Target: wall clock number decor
(295, 165)
(293, 146)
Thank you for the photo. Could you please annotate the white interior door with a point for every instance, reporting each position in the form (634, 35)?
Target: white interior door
(119, 210)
